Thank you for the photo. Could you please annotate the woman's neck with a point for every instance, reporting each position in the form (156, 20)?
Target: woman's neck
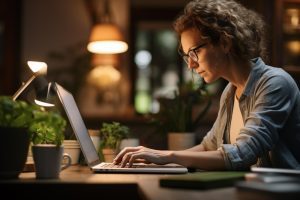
(238, 76)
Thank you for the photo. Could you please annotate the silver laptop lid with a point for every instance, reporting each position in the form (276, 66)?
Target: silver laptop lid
(87, 146)
(78, 126)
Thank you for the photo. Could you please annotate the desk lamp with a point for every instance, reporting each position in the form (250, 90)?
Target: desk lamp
(44, 92)
(38, 68)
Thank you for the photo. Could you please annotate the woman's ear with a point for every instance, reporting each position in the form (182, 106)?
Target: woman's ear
(226, 44)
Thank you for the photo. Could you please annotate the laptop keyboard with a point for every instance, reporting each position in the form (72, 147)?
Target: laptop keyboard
(137, 165)
(110, 165)
(139, 168)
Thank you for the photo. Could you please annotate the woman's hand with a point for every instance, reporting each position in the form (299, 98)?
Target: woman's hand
(136, 154)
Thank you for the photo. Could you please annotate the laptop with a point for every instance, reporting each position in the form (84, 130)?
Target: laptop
(293, 172)
(89, 151)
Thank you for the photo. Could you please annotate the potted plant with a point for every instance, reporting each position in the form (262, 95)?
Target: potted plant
(47, 128)
(47, 136)
(181, 115)
(15, 119)
(111, 135)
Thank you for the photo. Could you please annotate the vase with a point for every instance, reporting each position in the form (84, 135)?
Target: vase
(14, 144)
(181, 140)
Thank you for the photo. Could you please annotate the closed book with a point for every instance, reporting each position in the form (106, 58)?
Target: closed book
(248, 190)
(203, 180)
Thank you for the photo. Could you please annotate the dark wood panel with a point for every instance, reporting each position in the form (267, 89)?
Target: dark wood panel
(10, 34)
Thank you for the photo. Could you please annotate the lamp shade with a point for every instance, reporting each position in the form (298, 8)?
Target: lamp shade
(106, 38)
(40, 68)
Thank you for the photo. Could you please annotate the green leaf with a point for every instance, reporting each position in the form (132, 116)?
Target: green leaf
(176, 114)
(111, 134)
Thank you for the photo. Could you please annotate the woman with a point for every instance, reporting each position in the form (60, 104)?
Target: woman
(258, 121)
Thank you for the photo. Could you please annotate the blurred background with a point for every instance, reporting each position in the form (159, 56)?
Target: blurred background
(123, 86)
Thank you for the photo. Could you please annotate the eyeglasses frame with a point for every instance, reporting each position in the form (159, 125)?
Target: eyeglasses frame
(192, 53)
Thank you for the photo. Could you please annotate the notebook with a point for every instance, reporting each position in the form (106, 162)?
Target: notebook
(88, 148)
(202, 180)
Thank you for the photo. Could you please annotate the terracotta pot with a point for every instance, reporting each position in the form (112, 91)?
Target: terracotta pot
(109, 154)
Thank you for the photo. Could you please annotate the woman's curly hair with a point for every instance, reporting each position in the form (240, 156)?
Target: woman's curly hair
(221, 20)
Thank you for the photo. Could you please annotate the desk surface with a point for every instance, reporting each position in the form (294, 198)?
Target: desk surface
(83, 184)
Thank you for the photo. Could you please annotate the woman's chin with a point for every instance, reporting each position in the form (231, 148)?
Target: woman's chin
(208, 79)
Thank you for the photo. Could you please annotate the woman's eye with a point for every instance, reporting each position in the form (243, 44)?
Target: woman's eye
(197, 50)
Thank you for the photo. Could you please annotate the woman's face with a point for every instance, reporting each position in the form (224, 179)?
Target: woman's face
(212, 60)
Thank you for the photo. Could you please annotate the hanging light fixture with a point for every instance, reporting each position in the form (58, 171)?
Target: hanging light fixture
(106, 37)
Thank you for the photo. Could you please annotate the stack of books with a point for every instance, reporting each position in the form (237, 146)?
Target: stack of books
(270, 183)
(259, 183)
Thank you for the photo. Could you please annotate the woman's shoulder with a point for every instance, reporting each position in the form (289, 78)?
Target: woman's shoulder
(262, 71)
(265, 78)
(274, 80)
(277, 75)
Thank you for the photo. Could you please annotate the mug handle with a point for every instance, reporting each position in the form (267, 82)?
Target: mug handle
(68, 163)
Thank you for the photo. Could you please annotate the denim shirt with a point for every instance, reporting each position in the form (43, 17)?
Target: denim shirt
(270, 107)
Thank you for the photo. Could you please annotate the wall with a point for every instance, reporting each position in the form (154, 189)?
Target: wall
(58, 26)
(51, 25)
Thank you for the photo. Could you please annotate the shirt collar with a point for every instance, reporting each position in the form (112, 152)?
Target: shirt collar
(257, 68)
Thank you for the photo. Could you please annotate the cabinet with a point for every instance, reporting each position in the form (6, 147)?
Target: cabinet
(286, 37)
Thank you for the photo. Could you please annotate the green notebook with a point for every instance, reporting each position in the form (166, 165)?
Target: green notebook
(203, 180)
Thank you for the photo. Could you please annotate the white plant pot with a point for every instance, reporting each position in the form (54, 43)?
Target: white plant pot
(72, 148)
(94, 134)
(181, 140)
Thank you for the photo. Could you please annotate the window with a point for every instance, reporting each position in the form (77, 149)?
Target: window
(158, 68)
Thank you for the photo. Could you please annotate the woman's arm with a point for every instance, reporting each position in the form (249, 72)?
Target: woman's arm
(206, 160)
(198, 147)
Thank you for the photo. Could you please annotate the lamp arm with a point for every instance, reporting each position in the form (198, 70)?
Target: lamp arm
(23, 87)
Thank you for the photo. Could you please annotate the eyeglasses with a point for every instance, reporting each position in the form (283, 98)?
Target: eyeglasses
(192, 53)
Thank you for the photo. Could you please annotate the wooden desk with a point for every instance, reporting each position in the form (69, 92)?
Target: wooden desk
(78, 182)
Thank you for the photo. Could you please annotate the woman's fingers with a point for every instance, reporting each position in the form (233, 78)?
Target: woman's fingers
(132, 157)
(147, 155)
(125, 159)
(120, 156)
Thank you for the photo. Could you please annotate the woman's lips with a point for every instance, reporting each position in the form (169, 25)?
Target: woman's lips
(201, 73)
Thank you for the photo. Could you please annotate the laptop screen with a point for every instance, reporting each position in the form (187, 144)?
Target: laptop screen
(78, 126)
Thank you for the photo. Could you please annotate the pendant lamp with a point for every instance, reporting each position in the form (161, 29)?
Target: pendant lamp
(106, 37)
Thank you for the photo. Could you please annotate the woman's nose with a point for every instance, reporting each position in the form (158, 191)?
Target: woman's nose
(192, 64)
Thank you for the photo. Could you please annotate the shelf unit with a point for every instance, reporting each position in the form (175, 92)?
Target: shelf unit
(286, 37)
